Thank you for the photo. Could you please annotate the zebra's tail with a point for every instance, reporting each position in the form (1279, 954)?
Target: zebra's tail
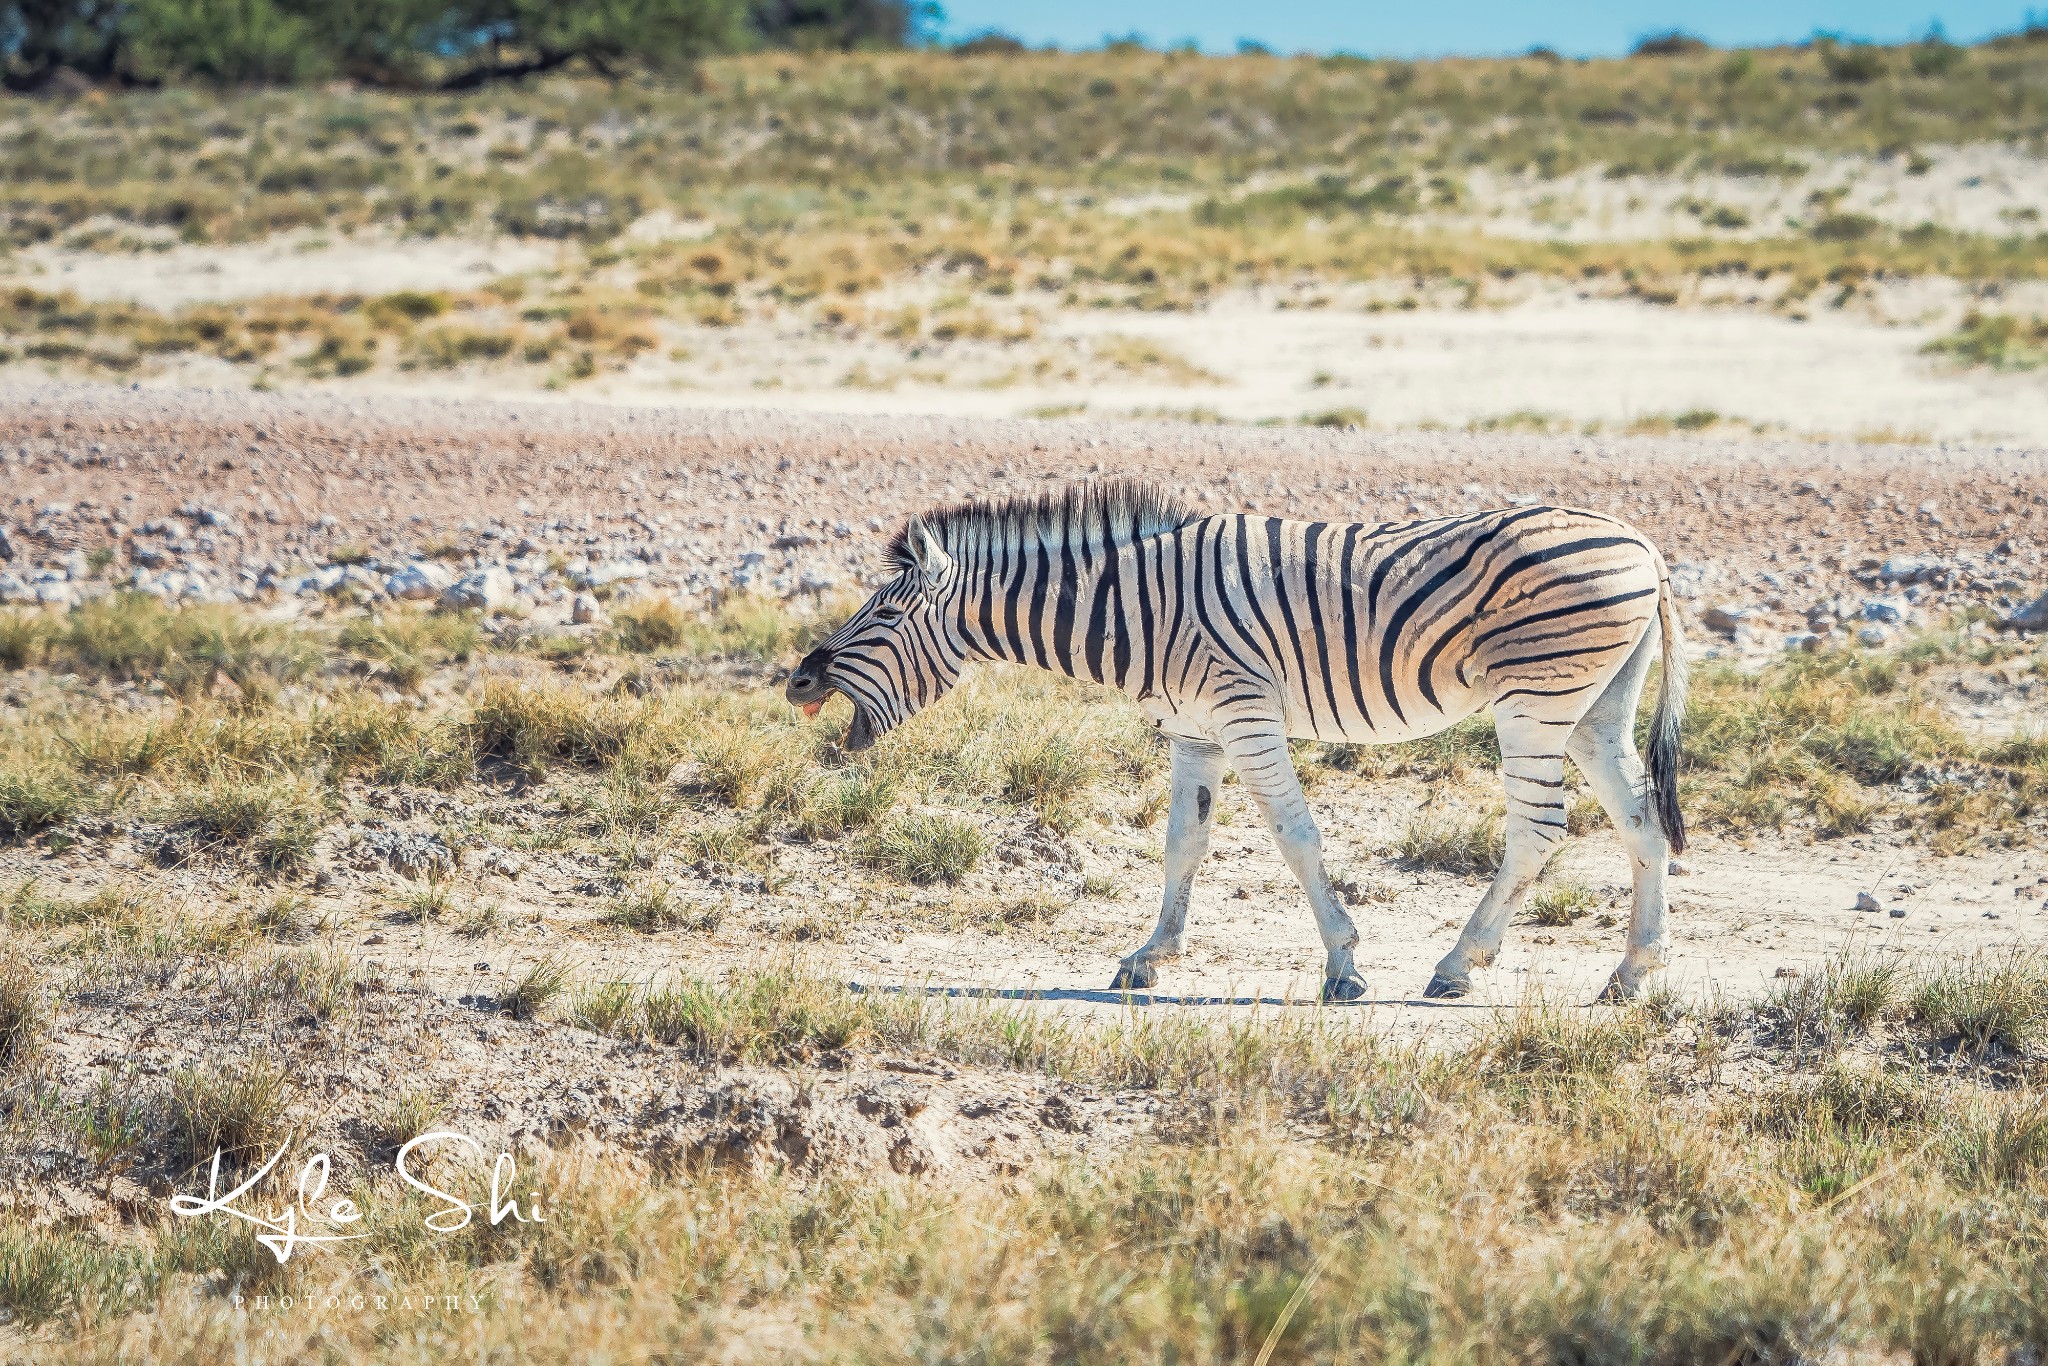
(1666, 720)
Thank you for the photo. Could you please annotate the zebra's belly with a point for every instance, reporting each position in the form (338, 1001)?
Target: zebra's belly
(1193, 720)
(1385, 725)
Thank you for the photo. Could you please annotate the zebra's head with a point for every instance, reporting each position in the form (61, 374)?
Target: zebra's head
(894, 656)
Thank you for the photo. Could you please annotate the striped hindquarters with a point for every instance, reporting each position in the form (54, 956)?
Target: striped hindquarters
(1374, 633)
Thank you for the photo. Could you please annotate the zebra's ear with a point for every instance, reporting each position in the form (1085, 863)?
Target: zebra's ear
(927, 556)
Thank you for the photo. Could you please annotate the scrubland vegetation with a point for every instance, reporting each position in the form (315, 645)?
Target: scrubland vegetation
(1854, 1163)
(926, 198)
(222, 732)
(1595, 1187)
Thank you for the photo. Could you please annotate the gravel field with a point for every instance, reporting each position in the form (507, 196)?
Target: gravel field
(212, 493)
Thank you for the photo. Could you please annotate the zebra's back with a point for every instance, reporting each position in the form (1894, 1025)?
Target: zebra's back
(1384, 632)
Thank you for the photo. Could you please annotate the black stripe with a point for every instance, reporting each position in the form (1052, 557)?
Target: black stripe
(1222, 596)
(1038, 588)
(1251, 592)
(1064, 604)
(1545, 556)
(1567, 610)
(1506, 664)
(1312, 587)
(1348, 596)
(1273, 551)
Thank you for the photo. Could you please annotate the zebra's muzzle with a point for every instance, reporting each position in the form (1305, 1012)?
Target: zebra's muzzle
(807, 688)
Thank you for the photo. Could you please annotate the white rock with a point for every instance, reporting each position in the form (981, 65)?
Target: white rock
(362, 580)
(419, 581)
(612, 571)
(13, 589)
(1866, 902)
(489, 589)
(585, 609)
(1885, 611)
(56, 594)
(1872, 636)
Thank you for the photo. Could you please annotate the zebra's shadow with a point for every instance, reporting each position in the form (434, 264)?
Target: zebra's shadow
(1087, 996)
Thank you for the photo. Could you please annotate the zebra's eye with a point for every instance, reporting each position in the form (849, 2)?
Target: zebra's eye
(888, 611)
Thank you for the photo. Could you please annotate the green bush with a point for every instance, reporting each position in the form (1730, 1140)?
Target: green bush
(926, 849)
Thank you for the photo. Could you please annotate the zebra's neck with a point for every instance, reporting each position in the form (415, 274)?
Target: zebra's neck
(1058, 604)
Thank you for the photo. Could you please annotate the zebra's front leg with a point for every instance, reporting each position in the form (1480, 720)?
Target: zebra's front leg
(1532, 771)
(1267, 772)
(1190, 815)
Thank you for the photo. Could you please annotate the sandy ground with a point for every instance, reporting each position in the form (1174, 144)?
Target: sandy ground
(173, 275)
(1545, 355)
(1745, 917)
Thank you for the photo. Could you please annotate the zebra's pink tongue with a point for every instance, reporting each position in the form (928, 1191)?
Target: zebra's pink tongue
(812, 708)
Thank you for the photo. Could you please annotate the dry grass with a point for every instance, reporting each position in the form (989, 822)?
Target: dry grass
(1616, 1205)
(238, 1112)
(21, 1008)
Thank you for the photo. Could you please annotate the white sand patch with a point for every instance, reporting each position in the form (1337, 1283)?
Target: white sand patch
(292, 263)
(1989, 190)
(1575, 360)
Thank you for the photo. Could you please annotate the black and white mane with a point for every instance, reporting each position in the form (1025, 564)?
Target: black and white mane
(1113, 511)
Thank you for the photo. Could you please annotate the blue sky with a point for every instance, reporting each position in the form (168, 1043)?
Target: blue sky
(1412, 29)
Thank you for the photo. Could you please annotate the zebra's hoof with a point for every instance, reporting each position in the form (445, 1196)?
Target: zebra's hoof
(1134, 977)
(1616, 991)
(1342, 989)
(1442, 988)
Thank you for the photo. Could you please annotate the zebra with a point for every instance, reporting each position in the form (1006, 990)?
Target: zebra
(1234, 632)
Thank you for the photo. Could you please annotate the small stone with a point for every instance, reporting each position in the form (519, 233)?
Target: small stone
(1898, 912)
(1885, 611)
(1866, 902)
(1725, 618)
(2032, 617)
(1678, 869)
(1787, 971)
(1872, 636)
(502, 863)
(584, 609)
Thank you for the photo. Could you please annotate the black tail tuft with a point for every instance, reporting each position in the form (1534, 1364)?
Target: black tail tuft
(1665, 724)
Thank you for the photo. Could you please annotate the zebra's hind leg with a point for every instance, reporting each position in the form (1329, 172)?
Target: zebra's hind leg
(1532, 771)
(1267, 771)
(1603, 745)
(1190, 815)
